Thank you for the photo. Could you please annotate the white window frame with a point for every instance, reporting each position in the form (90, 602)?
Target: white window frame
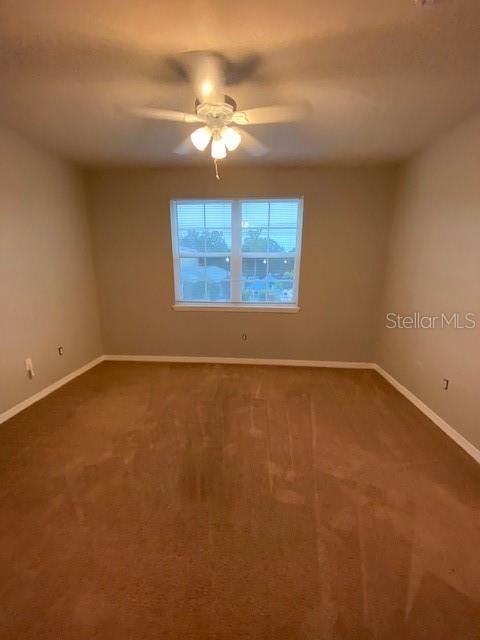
(236, 255)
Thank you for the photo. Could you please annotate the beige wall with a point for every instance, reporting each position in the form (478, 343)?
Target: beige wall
(47, 286)
(346, 216)
(48, 291)
(434, 267)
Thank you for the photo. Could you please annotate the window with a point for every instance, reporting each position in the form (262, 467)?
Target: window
(236, 253)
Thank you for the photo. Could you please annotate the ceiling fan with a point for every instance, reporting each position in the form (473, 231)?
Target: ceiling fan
(218, 113)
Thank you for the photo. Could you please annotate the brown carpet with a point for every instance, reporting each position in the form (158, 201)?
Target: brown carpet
(148, 501)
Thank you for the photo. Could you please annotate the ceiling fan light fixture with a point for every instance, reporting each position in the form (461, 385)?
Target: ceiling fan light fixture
(219, 150)
(231, 138)
(201, 137)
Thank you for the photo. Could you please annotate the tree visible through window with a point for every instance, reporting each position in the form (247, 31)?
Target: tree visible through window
(236, 251)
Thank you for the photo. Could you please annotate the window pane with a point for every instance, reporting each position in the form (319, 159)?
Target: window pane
(204, 241)
(204, 279)
(282, 240)
(218, 215)
(254, 214)
(268, 280)
(192, 279)
(204, 226)
(254, 280)
(284, 213)
(191, 240)
(218, 240)
(190, 215)
(217, 276)
(285, 291)
(254, 240)
(269, 227)
(282, 268)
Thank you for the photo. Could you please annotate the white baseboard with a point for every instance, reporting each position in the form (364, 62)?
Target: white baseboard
(435, 418)
(9, 413)
(334, 364)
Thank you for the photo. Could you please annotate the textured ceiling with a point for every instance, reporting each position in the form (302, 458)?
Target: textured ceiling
(383, 76)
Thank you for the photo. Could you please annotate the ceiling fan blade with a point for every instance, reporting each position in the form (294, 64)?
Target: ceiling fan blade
(184, 148)
(275, 113)
(166, 114)
(207, 75)
(241, 70)
(252, 145)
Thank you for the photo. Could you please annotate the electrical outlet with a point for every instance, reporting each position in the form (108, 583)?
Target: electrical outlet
(29, 367)
(446, 384)
(60, 351)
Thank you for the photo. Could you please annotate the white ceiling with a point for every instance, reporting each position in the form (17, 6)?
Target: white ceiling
(383, 76)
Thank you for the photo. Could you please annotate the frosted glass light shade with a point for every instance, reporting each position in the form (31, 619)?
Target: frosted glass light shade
(201, 137)
(231, 138)
(219, 150)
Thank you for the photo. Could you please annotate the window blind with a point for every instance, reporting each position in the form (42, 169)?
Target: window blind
(240, 252)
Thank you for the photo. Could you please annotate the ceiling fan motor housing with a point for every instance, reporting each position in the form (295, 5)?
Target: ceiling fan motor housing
(216, 115)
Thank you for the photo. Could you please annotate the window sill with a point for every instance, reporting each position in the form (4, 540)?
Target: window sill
(271, 308)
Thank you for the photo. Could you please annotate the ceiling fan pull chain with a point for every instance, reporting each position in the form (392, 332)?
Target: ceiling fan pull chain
(216, 169)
